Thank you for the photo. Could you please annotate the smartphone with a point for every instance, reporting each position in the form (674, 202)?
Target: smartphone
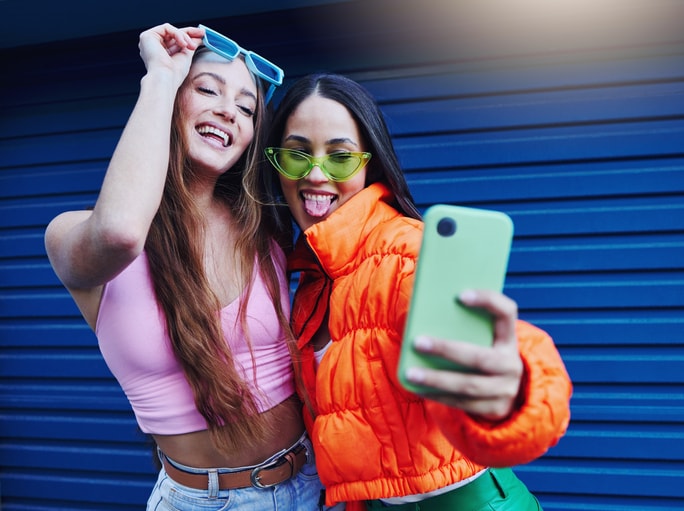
(462, 248)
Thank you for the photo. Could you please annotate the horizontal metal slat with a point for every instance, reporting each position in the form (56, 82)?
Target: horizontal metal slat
(581, 502)
(538, 146)
(599, 256)
(606, 479)
(88, 397)
(601, 180)
(35, 214)
(602, 293)
(117, 427)
(109, 462)
(611, 328)
(639, 413)
(88, 488)
(50, 180)
(662, 216)
(59, 148)
(547, 77)
(610, 444)
(38, 305)
(52, 332)
(538, 108)
(53, 365)
(27, 275)
(79, 115)
(15, 244)
(638, 368)
(74, 76)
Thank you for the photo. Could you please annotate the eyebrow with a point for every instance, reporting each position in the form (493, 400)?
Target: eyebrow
(332, 141)
(222, 81)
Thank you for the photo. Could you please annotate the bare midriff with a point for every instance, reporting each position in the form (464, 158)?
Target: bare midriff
(196, 449)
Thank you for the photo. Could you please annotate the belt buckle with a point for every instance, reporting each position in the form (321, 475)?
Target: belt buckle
(254, 476)
(284, 458)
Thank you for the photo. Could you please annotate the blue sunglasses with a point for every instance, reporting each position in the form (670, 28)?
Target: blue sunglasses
(229, 49)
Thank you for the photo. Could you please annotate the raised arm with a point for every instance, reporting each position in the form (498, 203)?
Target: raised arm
(88, 248)
(517, 402)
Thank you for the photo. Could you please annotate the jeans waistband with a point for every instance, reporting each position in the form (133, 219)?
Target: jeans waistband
(277, 469)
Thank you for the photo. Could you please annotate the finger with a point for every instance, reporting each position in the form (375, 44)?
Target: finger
(492, 398)
(503, 309)
(178, 41)
(189, 37)
(195, 34)
(466, 385)
(174, 40)
(502, 359)
(496, 303)
(462, 353)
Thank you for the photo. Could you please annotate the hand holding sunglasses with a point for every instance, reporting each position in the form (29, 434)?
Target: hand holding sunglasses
(230, 50)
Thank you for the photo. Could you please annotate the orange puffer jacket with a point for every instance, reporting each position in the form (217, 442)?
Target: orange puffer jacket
(372, 438)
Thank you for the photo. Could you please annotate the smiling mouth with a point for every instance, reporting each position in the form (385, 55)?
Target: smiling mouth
(213, 132)
(317, 205)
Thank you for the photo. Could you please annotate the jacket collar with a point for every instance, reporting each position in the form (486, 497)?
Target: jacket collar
(335, 241)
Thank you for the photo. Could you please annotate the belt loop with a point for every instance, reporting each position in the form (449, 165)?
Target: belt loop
(290, 459)
(213, 488)
(306, 443)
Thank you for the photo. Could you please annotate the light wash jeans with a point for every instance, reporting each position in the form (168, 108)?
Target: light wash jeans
(301, 493)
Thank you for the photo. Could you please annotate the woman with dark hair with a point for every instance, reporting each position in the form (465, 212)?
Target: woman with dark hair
(178, 271)
(378, 445)
(371, 124)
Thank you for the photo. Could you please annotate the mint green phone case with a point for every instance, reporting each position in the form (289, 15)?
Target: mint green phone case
(462, 248)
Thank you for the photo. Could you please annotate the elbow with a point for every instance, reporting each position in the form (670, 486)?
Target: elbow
(128, 244)
(87, 252)
(121, 237)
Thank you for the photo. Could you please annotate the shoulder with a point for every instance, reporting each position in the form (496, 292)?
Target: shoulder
(399, 235)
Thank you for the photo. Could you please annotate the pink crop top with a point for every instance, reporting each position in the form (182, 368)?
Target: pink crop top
(131, 332)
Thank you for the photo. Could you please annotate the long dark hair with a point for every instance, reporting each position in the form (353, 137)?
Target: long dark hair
(384, 166)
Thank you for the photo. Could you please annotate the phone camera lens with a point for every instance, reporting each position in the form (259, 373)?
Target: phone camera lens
(446, 227)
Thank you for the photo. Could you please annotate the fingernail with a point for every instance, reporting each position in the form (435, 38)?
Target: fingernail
(468, 296)
(423, 343)
(415, 374)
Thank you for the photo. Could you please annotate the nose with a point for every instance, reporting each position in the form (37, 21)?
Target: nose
(226, 109)
(316, 175)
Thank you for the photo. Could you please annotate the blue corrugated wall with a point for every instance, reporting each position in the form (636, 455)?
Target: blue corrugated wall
(585, 151)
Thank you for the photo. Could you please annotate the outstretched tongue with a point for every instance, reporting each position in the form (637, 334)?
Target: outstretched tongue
(318, 205)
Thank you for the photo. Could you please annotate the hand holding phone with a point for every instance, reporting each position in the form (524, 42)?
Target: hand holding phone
(462, 248)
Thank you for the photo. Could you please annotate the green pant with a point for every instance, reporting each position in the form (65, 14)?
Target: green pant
(497, 490)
